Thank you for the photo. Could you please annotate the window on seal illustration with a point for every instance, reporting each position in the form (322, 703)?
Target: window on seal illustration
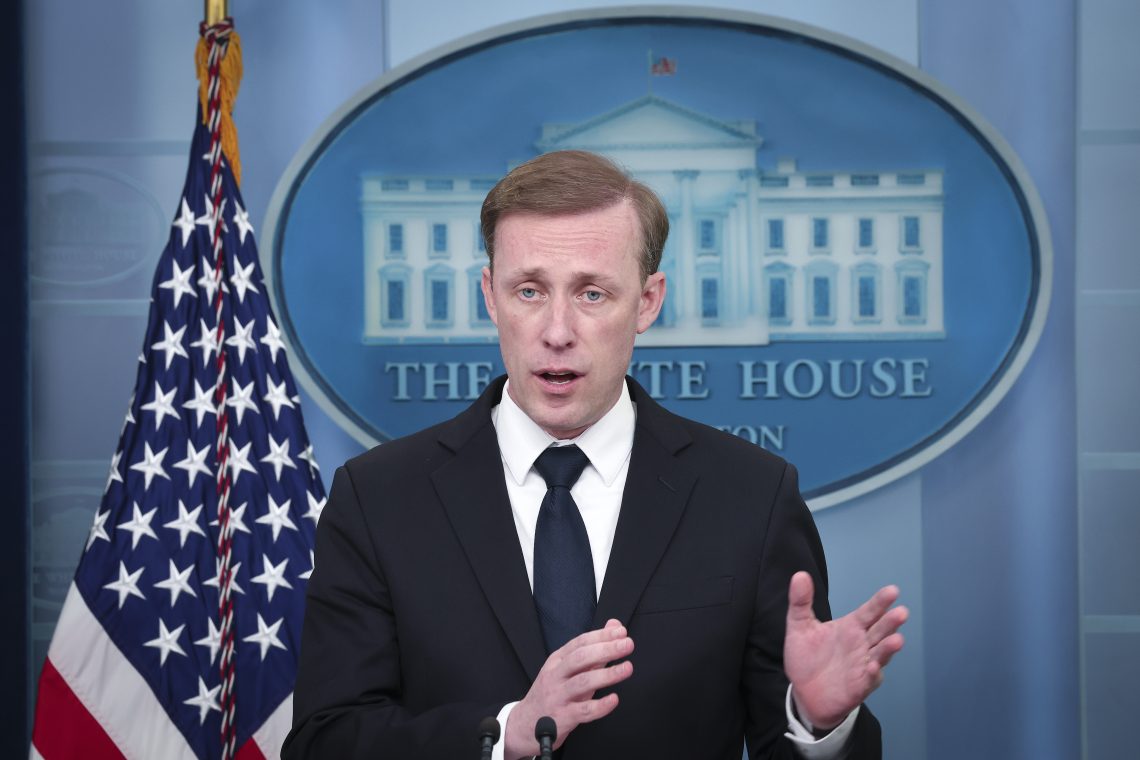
(865, 235)
(821, 296)
(819, 233)
(778, 291)
(477, 314)
(710, 300)
(911, 239)
(706, 232)
(394, 296)
(480, 244)
(912, 276)
(438, 284)
(396, 240)
(775, 236)
(865, 295)
(438, 240)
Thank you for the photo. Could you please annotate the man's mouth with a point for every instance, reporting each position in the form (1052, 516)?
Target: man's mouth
(558, 378)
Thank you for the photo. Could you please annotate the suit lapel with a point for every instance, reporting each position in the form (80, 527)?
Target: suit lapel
(657, 490)
(474, 495)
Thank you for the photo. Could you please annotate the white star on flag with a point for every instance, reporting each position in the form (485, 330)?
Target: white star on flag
(208, 281)
(207, 217)
(316, 506)
(241, 220)
(202, 403)
(98, 529)
(185, 222)
(307, 455)
(179, 282)
(277, 397)
(241, 399)
(186, 523)
(139, 525)
(272, 575)
(166, 642)
(208, 341)
(127, 585)
(206, 700)
(171, 343)
(277, 517)
(213, 640)
(239, 461)
(242, 338)
(114, 476)
(216, 581)
(278, 456)
(178, 582)
(266, 636)
(237, 519)
(151, 466)
(312, 566)
(241, 281)
(195, 462)
(161, 406)
(272, 337)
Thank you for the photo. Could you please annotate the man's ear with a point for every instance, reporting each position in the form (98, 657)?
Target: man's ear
(652, 298)
(488, 295)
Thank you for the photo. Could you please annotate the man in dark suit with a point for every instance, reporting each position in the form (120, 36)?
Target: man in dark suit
(657, 587)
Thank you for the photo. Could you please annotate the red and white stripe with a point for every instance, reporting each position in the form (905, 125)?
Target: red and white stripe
(92, 702)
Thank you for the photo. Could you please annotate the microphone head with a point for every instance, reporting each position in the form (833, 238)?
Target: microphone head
(489, 728)
(545, 727)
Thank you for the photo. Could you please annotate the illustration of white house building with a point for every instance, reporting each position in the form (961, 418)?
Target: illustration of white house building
(753, 256)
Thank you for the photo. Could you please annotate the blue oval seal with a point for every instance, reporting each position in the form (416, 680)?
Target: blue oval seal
(859, 267)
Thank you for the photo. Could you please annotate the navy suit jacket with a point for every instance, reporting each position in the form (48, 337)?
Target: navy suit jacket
(420, 619)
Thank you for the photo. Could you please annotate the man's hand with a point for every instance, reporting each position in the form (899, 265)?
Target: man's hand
(834, 666)
(565, 687)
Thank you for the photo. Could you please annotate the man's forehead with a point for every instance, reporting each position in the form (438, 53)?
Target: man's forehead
(609, 227)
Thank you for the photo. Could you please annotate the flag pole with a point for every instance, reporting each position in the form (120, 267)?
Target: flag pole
(215, 11)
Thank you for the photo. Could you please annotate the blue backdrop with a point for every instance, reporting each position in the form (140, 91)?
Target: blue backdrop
(984, 540)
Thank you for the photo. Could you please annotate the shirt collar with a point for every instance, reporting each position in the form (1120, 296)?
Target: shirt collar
(606, 443)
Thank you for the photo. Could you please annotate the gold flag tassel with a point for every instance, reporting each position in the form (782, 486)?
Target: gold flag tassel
(230, 75)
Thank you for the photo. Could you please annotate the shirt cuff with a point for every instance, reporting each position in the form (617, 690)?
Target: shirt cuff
(500, 746)
(829, 747)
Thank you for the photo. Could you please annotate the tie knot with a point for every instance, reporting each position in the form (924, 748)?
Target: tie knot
(561, 465)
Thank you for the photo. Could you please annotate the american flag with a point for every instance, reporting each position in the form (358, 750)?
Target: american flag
(663, 67)
(133, 667)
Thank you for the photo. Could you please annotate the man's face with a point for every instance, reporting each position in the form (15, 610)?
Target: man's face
(568, 299)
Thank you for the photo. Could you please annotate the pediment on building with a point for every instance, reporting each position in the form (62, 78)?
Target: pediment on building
(649, 122)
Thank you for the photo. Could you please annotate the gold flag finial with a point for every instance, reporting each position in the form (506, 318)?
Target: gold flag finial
(216, 10)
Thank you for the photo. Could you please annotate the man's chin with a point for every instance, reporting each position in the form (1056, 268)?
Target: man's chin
(561, 425)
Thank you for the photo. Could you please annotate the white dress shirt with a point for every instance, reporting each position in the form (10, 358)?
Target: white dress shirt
(607, 443)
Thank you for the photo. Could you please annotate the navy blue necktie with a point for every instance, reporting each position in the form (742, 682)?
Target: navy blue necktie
(564, 591)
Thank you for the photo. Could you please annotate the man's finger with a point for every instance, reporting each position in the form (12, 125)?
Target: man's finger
(800, 592)
(583, 685)
(873, 609)
(589, 710)
(588, 656)
(882, 652)
(887, 624)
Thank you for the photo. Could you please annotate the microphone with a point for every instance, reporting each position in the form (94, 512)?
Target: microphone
(488, 735)
(546, 732)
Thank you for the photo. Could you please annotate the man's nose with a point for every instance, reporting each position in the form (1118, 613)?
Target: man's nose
(558, 329)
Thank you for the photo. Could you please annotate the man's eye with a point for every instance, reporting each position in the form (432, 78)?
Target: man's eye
(528, 292)
(593, 295)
